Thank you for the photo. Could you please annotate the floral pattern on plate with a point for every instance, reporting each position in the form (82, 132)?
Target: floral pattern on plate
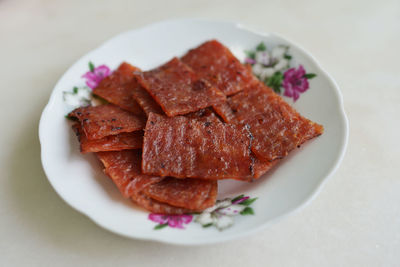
(273, 68)
(221, 215)
(83, 96)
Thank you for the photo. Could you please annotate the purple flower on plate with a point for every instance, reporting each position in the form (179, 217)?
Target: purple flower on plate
(221, 214)
(240, 200)
(174, 221)
(295, 82)
(249, 60)
(95, 75)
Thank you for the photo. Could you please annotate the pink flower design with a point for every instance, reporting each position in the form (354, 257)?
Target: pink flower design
(240, 200)
(94, 76)
(250, 61)
(295, 82)
(174, 221)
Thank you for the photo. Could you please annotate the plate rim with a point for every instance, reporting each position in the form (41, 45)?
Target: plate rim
(236, 235)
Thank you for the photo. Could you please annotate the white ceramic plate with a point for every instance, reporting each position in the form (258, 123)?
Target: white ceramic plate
(79, 179)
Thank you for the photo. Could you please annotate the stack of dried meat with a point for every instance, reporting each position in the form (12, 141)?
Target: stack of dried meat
(167, 135)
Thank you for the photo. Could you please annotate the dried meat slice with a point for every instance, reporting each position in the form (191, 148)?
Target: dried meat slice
(145, 101)
(122, 141)
(148, 104)
(193, 194)
(182, 147)
(259, 167)
(123, 167)
(214, 62)
(277, 128)
(255, 100)
(117, 88)
(155, 206)
(176, 88)
(275, 136)
(101, 121)
(204, 115)
(225, 111)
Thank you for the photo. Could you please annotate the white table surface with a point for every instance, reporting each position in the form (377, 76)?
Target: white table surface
(354, 221)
